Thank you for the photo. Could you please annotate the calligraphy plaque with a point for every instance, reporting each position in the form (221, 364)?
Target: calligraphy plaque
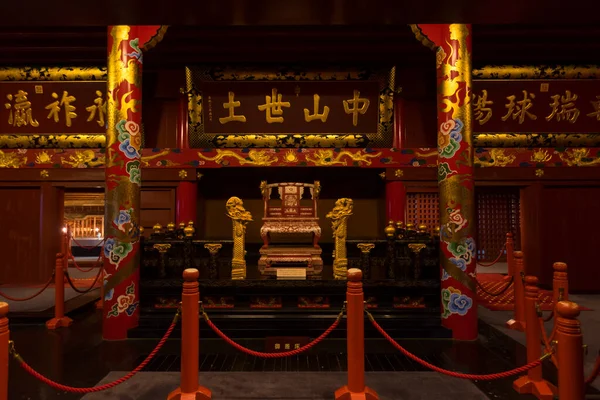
(536, 106)
(290, 108)
(52, 108)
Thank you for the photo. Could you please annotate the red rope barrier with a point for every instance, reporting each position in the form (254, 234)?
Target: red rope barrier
(498, 293)
(81, 269)
(87, 247)
(549, 317)
(76, 289)
(496, 260)
(546, 341)
(485, 377)
(272, 355)
(94, 389)
(29, 297)
(590, 379)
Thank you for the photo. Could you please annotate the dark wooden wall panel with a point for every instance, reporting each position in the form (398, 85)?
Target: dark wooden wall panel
(50, 227)
(531, 198)
(20, 235)
(157, 205)
(156, 198)
(570, 221)
(420, 124)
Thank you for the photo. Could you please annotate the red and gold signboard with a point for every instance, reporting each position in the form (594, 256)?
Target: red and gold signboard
(248, 106)
(53, 108)
(290, 107)
(543, 106)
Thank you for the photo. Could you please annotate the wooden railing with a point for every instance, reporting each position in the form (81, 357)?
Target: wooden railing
(90, 226)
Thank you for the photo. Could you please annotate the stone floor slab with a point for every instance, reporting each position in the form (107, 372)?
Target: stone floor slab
(292, 386)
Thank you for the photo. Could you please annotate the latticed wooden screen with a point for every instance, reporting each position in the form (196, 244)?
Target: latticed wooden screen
(423, 208)
(497, 214)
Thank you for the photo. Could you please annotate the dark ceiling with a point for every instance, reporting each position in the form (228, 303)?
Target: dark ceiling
(492, 44)
(220, 13)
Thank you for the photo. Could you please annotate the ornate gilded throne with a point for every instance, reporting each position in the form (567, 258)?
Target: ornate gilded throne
(295, 216)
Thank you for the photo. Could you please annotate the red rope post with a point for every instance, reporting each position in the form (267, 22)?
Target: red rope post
(560, 283)
(518, 322)
(510, 260)
(533, 383)
(569, 352)
(64, 241)
(59, 320)
(190, 338)
(355, 332)
(4, 338)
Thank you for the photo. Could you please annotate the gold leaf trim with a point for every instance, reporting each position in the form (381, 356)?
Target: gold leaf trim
(156, 39)
(421, 37)
(76, 141)
(537, 72)
(536, 140)
(53, 74)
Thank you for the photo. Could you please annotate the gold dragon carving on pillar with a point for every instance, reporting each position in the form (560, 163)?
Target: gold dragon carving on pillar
(240, 218)
(339, 223)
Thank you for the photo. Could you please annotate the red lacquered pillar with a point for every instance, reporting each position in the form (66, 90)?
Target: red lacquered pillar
(452, 43)
(123, 175)
(399, 129)
(395, 191)
(186, 196)
(4, 338)
(395, 200)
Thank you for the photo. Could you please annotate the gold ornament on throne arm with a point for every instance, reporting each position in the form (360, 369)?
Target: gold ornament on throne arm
(240, 218)
(339, 223)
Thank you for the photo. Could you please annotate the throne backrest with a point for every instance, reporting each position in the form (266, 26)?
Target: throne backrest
(289, 201)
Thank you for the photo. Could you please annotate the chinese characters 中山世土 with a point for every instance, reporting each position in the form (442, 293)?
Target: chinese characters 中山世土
(274, 108)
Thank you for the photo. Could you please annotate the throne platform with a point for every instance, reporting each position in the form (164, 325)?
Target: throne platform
(290, 216)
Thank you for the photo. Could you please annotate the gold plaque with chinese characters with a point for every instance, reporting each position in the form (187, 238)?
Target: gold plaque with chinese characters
(52, 107)
(290, 108)
(536, 106)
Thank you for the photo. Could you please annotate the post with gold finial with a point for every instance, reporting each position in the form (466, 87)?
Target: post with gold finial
(569, 352)
(4, 343)
(65, 247)
(560, 283)
(190, 338)
(518, 322)
(391, 232)
(59, 320)
(355, 331)
(510, 260)
(189, 230)
(533, 383)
